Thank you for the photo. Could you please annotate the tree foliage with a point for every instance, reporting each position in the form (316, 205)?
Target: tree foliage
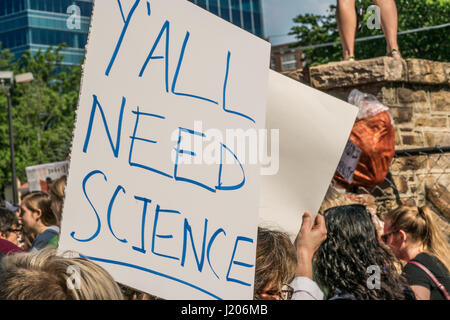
(43, 111)
(312, 29)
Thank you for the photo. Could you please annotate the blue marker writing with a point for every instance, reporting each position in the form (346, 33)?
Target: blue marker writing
(164, 30)
(134, 137)
(238, 263)
(225, 92)
(211, 242)
(175, 78)
(219, 183)
(111, 203)
(149, 11)
(154, 235)
(179, 151)
(99, 225)
(96, 105)
(188, 229)
(122, 34)
(146, 201)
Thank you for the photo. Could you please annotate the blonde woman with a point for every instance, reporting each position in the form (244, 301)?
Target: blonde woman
(414, 237)
(276, 262)
(43, 275)
(37, 216)
(57, 195)
(283, 270)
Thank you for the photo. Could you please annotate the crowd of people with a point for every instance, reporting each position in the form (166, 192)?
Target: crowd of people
(346, 252)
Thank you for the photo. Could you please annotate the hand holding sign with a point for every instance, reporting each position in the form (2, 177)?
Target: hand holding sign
(308, 240)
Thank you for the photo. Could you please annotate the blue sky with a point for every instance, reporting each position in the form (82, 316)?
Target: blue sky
(278, 15)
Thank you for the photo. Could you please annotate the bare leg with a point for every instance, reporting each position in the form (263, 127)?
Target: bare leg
(346, 18)
(389, 24)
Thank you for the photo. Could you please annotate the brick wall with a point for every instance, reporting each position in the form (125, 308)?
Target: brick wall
(417, 93)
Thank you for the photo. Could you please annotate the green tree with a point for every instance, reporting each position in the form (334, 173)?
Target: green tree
(43, 112)
(312, 29)
(6, 58)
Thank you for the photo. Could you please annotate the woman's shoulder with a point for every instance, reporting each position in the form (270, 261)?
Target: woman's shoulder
(429, 261)
(45, 238)
(417, 276)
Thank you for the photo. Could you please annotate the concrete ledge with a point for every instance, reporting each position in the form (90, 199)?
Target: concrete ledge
(376, 70)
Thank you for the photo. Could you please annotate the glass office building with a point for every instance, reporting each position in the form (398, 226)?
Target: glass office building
(37, 24)
(246, 14)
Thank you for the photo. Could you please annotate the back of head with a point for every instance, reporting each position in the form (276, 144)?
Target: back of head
(276, 261)
(57, 195)
(351, 247)
(334, 198)
(8, 219)
(419, 224)
(43, 275)
(134, 294)
(41, 201)
(58, 187)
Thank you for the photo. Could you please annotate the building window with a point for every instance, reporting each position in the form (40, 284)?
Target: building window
(60, 6)
(214, 6)
(11, 6)
(225, 10)
(13, 39)
(273, 64)
(288, 62)
(247, 15)
(236, 12)
(201, 3)
(55, 37)
(257, 16)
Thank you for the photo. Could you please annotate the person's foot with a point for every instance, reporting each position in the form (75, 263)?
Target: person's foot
(394, 53)
(347, 55)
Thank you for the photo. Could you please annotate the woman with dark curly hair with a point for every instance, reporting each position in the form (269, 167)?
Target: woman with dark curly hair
(346, 260)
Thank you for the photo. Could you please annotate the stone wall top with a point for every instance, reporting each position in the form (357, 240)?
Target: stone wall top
(382, 69)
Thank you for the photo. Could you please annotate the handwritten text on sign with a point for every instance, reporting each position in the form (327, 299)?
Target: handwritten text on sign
(174, 230)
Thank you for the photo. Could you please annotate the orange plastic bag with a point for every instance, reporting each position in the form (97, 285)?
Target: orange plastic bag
(375, 137)
(371, 147)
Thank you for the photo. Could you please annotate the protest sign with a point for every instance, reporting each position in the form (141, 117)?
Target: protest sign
(154, 70)
(40, 177)
(349, 161)
(314, 128)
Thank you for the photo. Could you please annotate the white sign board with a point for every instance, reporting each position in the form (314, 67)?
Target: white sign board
(157, 75)
(40, 176)
(313, 130)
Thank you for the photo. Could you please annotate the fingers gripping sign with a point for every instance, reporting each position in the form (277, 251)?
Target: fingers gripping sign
(308, 241)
